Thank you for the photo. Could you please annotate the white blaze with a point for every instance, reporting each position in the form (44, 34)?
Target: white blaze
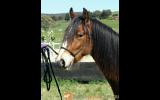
(61, 51)
(65, 55)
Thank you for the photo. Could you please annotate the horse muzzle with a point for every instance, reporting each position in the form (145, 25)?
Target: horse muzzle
(61, 63)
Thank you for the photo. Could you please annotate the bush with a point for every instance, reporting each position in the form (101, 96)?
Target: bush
(60, 17)
(54, 18)
(46, 22)
(67, 17)
(115, 15)
(97, 13)
(105, 14)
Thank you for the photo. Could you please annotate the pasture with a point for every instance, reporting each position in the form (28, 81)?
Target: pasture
(94, 90)
(59, 27)
(97, 90)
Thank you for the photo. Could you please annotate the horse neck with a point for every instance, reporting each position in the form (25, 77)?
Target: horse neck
(105, 50)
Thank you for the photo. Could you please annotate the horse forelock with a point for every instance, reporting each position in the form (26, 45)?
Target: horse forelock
(71, 29)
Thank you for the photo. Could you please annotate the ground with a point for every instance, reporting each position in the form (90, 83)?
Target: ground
(93, 90)
(97, 90)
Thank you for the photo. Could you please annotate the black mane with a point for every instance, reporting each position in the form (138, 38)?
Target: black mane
(105, 40)
(105, 47)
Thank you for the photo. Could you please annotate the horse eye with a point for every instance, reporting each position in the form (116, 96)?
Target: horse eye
(80, 34)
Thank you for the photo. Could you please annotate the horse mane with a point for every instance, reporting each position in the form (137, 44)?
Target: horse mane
(105, 49)
(105, 45)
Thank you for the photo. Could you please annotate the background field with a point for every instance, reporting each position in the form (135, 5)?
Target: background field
(98, 89)
(60, 26)
(80, 91)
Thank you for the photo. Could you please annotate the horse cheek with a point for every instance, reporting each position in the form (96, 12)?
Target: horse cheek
(76, 45)
(88, 48)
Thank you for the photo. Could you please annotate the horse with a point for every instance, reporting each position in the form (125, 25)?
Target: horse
(85, 35)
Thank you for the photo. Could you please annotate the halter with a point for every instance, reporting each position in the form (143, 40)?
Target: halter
(74, 54)
(71, 52)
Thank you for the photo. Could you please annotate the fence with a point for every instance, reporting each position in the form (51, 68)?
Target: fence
(84, 70)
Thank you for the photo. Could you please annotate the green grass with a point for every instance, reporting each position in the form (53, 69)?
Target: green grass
(58, 31)
(114, 24)
(59, 28)
(96, 89)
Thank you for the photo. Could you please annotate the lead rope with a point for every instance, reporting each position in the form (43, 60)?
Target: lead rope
(47, 74)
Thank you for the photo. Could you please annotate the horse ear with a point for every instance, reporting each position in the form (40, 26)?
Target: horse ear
(85, 14)
(71, 13)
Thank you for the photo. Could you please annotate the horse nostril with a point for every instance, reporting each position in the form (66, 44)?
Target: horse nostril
(62, 63)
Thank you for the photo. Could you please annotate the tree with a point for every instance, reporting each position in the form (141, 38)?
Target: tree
(60, 17)
(46, 22)
(116, 14)
(91, 15)
(67, 17)
(105, 14)
(97, 13)
(54, 18)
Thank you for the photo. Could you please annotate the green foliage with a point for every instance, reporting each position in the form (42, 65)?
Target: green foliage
(54, 18)
(46, 22)
(60, 17)
(59, 29)
(67, 17)
(97, 13)
(42, 38)
(105, 14)
(115, 14)
(91, 14)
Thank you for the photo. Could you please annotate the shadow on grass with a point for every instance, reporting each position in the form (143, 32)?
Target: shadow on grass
(82, 71)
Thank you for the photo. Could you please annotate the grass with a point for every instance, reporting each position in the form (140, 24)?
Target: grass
(94, 89)
(59, 28)
(114, 24)
(57, 31)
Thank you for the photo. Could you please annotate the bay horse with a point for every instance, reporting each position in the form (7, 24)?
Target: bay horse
(86, 35)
